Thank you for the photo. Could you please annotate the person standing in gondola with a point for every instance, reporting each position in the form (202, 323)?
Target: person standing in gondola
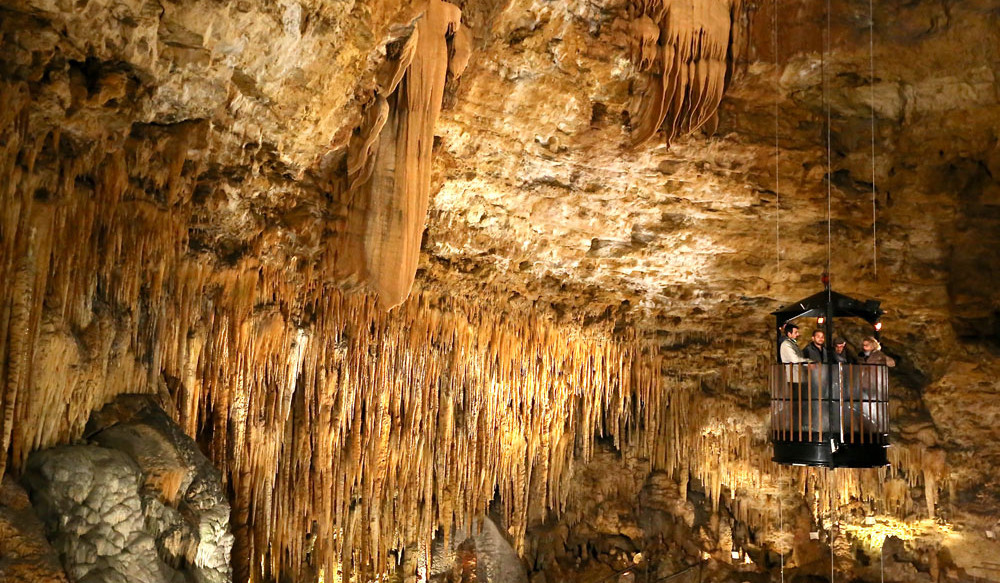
(793, 373)
(840, 353)
(871, 353)
(816, 349)
(789, 351)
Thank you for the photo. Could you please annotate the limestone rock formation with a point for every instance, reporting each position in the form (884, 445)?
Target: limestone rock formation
(185, 209)
(389, 156)
(685, 53)
(89, 499)
(140, 504)
(483, 555)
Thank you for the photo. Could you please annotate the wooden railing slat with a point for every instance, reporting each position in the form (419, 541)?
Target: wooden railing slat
(799, 423)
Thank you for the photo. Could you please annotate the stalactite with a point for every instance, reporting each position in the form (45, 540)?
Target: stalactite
(346, 432)
(734, 468)
(506, 391)
(684, 54)
(389, 156)
(351, 432)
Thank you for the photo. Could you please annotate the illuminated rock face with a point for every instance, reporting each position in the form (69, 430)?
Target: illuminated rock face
(481, 555)
(139, 503)
(178, 214)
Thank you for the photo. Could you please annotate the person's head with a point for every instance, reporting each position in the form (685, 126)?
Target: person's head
(791, 331)
(819, 337)
(869, 344)
(839, 344)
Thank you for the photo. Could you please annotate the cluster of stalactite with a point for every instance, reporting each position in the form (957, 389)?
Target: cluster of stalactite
(735, 468)
(684, 54)
(346, 432)
(705, 438)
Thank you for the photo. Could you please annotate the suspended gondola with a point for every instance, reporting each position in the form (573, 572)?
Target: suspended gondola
(829, 414)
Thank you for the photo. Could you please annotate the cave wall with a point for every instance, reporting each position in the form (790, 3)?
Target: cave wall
(177, 188)
(318, 407)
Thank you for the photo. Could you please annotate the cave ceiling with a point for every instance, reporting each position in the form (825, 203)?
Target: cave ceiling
(537, 189)
(548, 191)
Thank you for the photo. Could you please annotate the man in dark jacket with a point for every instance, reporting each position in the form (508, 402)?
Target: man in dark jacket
(815, 350)
(840, 354)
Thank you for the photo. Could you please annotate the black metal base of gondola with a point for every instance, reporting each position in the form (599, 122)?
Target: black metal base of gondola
(846, 455)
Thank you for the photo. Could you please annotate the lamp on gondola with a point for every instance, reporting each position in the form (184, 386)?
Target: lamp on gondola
(829, 414)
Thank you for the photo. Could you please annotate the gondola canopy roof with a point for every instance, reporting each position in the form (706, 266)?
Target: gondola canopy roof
(843, 306)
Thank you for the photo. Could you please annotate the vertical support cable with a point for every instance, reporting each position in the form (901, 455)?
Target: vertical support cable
(777, 175)
(881, 549)
(830, 483)
(781, 528)
(871, 71)
(829, 204)
(829, 156)
(833, 563)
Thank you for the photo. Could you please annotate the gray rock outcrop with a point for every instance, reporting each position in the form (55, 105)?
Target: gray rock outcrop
(140, 504)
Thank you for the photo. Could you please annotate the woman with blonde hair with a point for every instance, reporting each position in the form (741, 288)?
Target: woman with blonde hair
(871, 353)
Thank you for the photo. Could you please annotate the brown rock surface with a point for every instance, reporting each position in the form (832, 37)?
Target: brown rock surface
(25, 554)
(176, 192)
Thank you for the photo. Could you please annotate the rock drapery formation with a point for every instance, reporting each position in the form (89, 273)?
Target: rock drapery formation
(171, 216)
(389, 157)
(685, 53)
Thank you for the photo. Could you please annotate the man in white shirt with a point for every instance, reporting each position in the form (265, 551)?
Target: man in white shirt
(789, 351)
(791, 359)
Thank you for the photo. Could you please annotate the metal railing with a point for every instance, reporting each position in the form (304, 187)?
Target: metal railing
(814, 403)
